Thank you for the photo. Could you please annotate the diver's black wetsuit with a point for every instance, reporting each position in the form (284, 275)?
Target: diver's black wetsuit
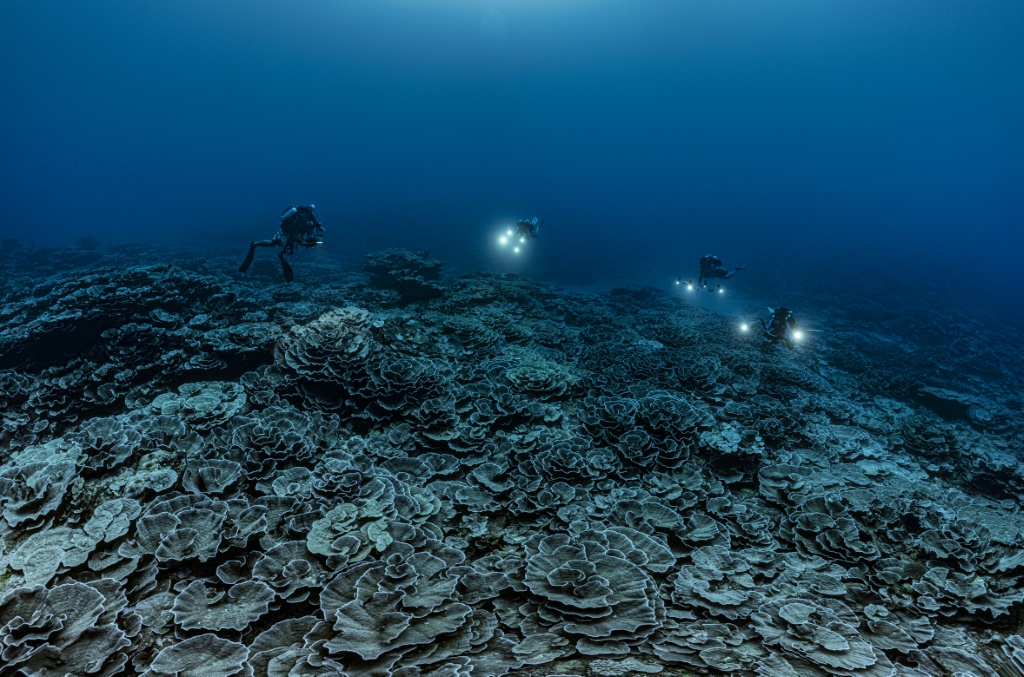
(299, 226)
(711, 266)
(780, 327)
(528, 227)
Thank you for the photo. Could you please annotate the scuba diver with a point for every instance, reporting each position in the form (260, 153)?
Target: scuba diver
(299, 226)
(780, 327)
(528, 228)
(711, 266)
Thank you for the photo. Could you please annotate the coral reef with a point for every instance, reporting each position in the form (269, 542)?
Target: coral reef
(489, 476)
(410, 274)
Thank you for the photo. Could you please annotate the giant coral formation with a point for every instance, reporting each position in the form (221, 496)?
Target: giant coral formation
(487, 476)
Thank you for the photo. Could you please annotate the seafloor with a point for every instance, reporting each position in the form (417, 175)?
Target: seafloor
(393, 471)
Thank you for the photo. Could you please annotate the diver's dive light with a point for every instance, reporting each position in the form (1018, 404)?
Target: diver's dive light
(505, 238)
(744, 327)
(797, 335)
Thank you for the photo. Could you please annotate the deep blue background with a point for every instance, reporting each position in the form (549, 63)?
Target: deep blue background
(646, 132)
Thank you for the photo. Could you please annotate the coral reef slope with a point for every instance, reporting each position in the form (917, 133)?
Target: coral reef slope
(404, 473)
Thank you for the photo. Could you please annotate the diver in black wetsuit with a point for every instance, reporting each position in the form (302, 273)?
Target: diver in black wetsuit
(528, 228)
(781, 327)
(300, 226)
(711, 266)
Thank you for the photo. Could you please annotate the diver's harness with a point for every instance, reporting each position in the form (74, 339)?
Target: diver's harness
(309, 235)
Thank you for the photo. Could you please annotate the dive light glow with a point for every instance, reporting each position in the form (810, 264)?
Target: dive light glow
(798, 335)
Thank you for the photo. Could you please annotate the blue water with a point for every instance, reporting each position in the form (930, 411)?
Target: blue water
(646, 133)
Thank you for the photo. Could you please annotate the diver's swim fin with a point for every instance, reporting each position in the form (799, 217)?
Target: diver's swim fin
(286, 267)
(248, 258)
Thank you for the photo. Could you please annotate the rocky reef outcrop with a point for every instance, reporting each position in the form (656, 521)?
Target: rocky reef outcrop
(411, 274)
